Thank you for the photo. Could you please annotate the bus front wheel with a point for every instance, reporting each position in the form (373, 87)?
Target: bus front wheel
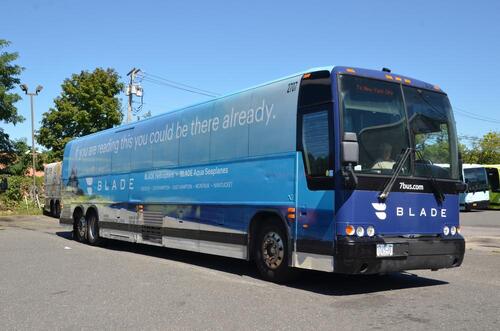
(271, 254)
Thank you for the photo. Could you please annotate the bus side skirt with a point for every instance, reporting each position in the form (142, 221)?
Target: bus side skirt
(312, 261)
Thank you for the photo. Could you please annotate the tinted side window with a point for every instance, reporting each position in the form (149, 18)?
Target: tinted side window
(316, 143)
(493, 179)
(120, 158)
(315, 88)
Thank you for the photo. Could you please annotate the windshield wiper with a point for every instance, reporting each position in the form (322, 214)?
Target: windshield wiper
(438, 194)
(387, 189)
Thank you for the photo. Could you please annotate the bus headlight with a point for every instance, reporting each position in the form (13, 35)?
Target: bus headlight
(370, 231)
(453, 230)
(360, 232)
(446, 230)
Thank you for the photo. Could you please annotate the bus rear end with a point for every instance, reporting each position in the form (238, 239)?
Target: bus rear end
(397, 208)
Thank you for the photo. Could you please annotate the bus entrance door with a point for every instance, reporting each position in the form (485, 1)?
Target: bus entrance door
(314, 226)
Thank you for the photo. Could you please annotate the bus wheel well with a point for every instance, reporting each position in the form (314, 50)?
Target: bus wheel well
(260, 219)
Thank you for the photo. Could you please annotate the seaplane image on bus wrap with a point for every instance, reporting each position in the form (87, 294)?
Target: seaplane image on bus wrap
(332, 169)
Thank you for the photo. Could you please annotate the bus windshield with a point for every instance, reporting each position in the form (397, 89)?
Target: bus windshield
(375, 111)
(476, 179)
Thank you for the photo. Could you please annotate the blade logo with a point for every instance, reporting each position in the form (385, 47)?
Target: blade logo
(89, 181)
(380, 210)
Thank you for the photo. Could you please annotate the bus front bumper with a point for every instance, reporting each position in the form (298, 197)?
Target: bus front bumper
(359, 255)
(483, 204)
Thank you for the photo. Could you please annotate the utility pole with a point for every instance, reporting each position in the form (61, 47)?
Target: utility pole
(131, 90)
(38, 89)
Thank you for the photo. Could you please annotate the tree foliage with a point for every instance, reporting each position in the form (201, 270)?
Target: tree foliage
(18, 187)
(9, 79)
(18, 159)
(485, 150)
(6, 150)
(88, 103)
(433, 146)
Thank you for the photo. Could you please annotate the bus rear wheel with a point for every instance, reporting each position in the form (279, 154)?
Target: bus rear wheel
(57, 209)
(51, 208)
(271, 254)
(93, 230)
(80, 228)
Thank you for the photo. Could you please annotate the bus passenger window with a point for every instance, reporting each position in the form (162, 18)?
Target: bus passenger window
(315, 143)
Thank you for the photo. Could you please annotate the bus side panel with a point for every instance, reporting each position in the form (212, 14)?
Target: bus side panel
(205, 169)
(200, 208)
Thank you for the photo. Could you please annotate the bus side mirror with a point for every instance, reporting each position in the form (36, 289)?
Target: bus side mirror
(350, 148)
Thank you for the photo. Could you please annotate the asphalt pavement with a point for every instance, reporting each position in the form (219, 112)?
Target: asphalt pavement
(49, 281)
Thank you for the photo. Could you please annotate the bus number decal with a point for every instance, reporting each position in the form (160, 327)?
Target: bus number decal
(292, 87)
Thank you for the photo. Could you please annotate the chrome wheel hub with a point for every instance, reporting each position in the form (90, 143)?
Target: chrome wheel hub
(82, 227)
(273, 250)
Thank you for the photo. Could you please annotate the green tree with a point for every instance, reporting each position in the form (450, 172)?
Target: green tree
(485, 150)
(19, 159)
(9, 79)
(88, 103)
(6, 151)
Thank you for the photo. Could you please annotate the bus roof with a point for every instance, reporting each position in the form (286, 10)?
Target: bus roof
(472, 165)
(369, 73)
(491, 166)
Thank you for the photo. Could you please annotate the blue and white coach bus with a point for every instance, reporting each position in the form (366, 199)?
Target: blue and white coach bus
(331, 169)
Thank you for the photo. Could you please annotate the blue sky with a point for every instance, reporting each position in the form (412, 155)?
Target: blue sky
(226, 46)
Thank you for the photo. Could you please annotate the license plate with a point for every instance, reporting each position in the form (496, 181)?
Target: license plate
(384, 250)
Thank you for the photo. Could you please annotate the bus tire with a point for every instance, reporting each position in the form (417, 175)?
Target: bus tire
(80, 227)
(57, 209)
(271, 253)
(51, 208)
(93, 229)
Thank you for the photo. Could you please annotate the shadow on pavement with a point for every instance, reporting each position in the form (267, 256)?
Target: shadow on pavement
(313, 281)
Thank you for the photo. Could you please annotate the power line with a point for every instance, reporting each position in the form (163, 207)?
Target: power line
(475, 116)
(472, 113)
(158, 82)
(157, 77)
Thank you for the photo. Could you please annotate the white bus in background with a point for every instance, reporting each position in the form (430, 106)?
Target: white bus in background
(52, 181)
(477, 195)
